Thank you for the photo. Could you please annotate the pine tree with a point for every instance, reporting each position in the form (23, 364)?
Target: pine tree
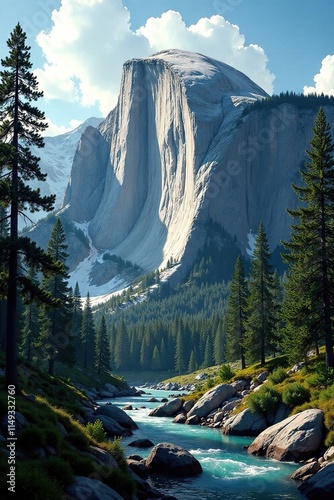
(308, 308)
(219, 347)
(180, 362)
(208, 357)
(235, 319)
(192, 362)
(56, 337)
(145, 353)
(4, 232)
(76, 321)
(156, 359)
(102, 352)
(88, 335)
(30, 324)
(260, 304)
(121, 352)
(20, 126)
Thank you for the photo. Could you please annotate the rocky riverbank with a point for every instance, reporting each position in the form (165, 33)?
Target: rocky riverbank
(298, 438)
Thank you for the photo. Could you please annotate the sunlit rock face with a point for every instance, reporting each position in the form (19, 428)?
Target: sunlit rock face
(175, 151)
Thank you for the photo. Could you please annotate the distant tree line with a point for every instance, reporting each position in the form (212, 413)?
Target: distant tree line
(301, 101)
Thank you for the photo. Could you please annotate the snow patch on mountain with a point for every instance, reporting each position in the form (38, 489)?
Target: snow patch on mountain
(56, 160)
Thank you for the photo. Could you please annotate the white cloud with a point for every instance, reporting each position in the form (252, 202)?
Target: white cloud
(214, 37)
(85, 50)
(91, 39)
(324, 80)
(54, 129)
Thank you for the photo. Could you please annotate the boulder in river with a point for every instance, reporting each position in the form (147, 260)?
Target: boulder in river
(166, 458)
(212, 400)
(117, 414)
(245, 423)
(167, 409)
(141, 443)
(294, 439)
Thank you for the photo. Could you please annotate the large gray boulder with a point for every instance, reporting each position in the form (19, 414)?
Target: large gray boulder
(117, 414)
(245, 423)
(166, 458)
(321, 485)
(294, 439)
(167, 409)
(212, 400)
(87, 487)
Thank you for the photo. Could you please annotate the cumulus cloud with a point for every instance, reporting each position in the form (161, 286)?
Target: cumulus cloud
(85, 50)
(91, 39)
(324, 80)
(214, 37)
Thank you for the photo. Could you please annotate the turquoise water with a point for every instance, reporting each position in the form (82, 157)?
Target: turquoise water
(229, 472)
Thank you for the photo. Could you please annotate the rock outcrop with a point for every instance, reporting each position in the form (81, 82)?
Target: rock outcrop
(166, 458)
(167, 409)
(87, 487)
(294, 439)
(245, 423)
(212, 400)
(117, 414)
(320, 485)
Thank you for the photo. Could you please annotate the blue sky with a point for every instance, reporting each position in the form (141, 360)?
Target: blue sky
(78, 47)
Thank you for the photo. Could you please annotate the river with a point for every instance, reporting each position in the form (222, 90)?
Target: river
(229, 472)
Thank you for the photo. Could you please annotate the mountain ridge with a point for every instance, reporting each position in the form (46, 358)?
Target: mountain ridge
(175, 152)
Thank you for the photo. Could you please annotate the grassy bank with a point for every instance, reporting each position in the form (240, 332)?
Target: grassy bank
(55, 445)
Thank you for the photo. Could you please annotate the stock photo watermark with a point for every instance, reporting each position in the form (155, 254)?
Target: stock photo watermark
(11, 439)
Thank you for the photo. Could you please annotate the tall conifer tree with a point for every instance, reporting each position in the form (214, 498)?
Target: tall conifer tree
(308, 307)
(88, 335)
(20, 126)
(30, 324)
(235, 320)
(102, 351)
(260, 328)
(56, 326)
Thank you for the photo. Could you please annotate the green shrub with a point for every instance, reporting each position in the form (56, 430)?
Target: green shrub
(323, 376)
(329, 418)
(327, 394)
(96, 431)
(58, 470)
(226, 373)
(31, 437)
(278, 376)
(82, 466)
(264, 400)
(122, 482)
(295, 394)
(53, 437)
(117, 451)
(31, 483)
(209, 384)
(303, 407)
(329, 441)
(78, 439)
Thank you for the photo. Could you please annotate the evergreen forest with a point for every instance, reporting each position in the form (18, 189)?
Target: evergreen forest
(230, 308)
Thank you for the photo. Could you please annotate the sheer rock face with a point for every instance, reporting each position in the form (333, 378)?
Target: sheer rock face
(176, 151)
